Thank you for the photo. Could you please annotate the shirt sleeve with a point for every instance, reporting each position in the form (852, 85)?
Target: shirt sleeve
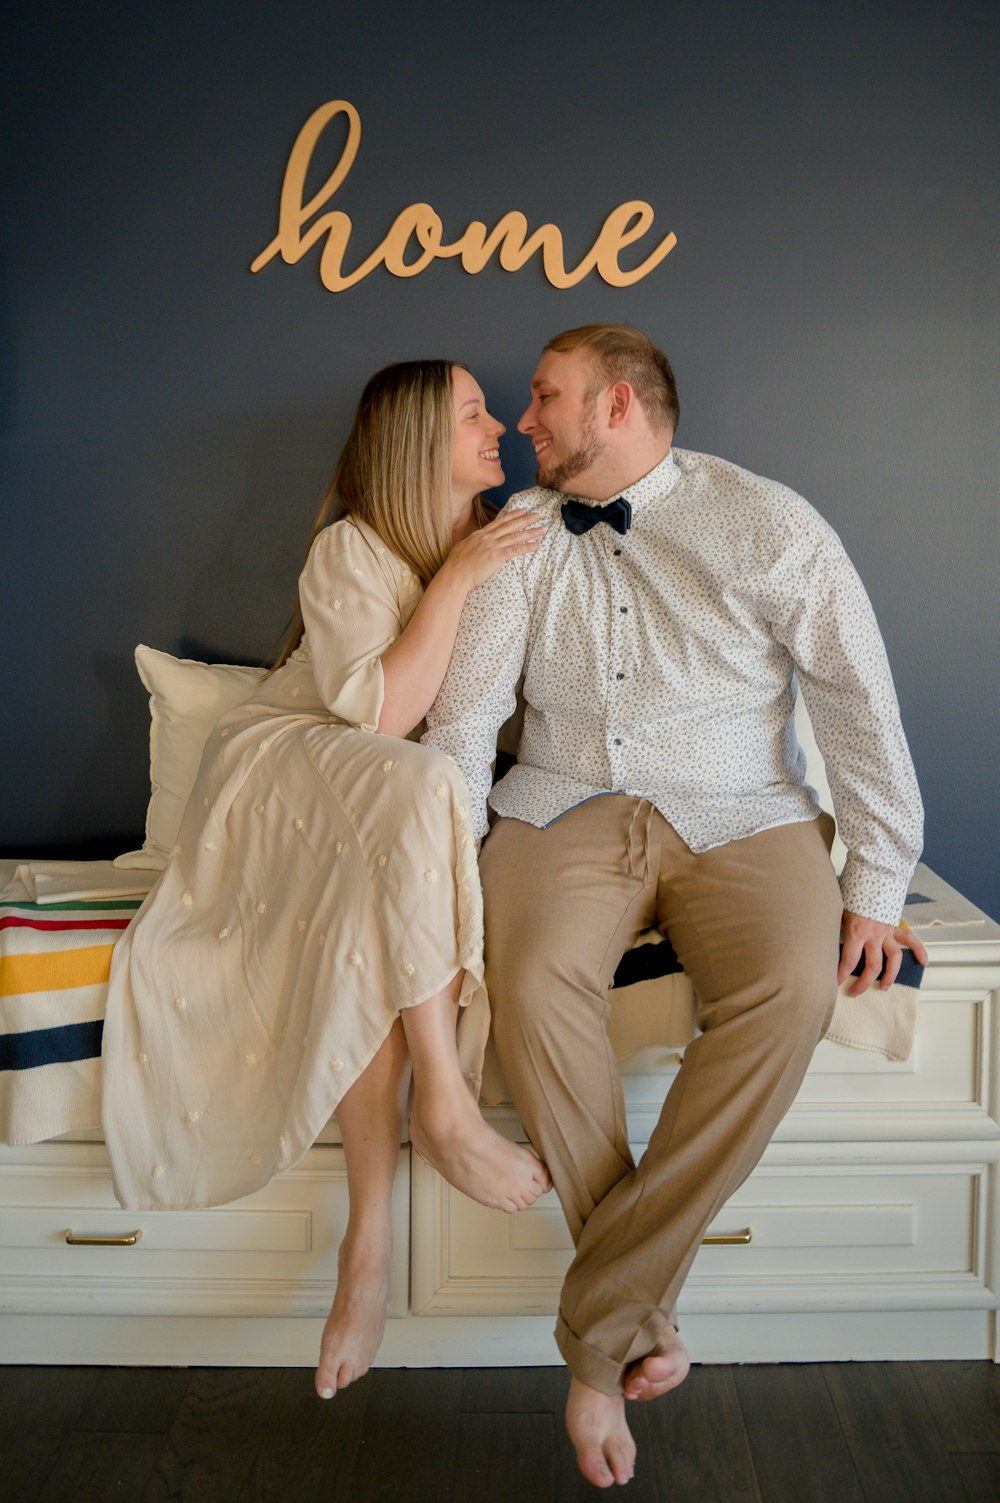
(351, 613)
(825, 620)
(479, 689)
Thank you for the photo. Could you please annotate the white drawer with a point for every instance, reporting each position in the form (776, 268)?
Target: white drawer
(272, 1253)
(899, 1227)
(941, 1092)
(830, 1235)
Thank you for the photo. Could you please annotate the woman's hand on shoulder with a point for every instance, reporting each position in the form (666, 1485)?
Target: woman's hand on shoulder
(511, 535)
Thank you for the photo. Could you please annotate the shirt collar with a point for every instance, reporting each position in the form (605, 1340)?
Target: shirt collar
(655, 484)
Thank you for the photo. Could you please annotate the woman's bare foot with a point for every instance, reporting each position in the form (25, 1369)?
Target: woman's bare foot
(452, 1136)
(605, 1450)
(665, 1368)
(353, 1331)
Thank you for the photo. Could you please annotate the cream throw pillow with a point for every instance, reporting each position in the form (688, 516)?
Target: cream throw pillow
(186, 701)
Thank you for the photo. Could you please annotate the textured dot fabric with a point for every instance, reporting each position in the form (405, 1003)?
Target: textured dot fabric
(324, 878)
(662, 664)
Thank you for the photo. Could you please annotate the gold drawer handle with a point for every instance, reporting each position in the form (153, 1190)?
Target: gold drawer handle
(734, 1239)
(129, 1239)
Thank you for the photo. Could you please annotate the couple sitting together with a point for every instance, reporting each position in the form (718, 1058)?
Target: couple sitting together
(323, 930)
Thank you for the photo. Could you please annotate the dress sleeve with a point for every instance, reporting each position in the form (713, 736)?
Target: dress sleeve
(350, 607)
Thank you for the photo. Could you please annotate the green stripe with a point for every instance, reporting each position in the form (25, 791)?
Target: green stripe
(98, 903)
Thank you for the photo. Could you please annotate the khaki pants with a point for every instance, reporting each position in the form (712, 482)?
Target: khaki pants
(755, 924)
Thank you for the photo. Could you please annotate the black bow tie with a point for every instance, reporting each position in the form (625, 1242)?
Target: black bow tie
(581, 518)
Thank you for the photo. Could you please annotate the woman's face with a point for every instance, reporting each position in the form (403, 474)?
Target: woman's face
(475, 459)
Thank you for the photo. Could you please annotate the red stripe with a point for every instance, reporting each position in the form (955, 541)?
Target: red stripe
(26, 923)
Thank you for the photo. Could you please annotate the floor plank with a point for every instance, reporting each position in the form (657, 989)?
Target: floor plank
(980, 1474)
(310, 1445)
(895, 1445)
(512, 1390)
(964, 1398)
(94, 1466)
(698, 1442)
(146, 1399)
(790, 1418)
(210, 1450)
(837, 1433)
(409, 1438)
(505, 1456)
(38, 1408)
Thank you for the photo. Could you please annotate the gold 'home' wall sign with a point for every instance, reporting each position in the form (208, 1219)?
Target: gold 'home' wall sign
(419, 224)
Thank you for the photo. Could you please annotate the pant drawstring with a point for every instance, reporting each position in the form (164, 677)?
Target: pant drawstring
(640, 840)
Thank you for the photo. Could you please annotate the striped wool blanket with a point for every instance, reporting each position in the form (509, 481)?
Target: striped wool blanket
(55, 958)
(54, 964)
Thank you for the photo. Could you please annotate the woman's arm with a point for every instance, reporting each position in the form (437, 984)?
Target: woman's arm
(414, 666)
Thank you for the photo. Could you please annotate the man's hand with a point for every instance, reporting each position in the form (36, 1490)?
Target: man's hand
(880, 944)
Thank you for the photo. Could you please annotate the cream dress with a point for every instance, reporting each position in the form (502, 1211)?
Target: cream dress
(324, 878)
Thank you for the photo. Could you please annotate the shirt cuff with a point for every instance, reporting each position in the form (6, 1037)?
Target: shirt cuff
(874, 894)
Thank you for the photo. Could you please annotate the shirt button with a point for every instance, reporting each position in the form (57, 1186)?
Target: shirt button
(618, 741)
(619, 675)
(618, 553)
(623, 609)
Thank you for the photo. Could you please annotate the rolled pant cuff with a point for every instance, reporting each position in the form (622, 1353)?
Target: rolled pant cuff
(586, 1363)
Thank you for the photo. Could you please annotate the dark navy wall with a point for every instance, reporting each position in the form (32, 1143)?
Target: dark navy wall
(168, 420)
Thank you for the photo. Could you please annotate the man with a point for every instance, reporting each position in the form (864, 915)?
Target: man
(658, 639)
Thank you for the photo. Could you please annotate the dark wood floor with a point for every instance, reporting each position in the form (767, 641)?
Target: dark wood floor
(841, 1433)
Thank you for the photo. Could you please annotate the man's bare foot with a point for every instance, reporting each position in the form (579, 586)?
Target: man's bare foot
(665, 1368)
(454, 1139)
(605, 1450)
(353, 1331)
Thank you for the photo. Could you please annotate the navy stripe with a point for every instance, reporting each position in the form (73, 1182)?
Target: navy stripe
(911, 972)
(650, 962)
(51, 1046)
(646, 963)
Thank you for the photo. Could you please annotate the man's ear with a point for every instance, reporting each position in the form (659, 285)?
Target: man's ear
(622, 398)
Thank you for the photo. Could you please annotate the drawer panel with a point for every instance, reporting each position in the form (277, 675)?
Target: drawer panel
(828, 1222)
(823, 1235)
(274, 1251)
(274, 1230)
(941, 1092)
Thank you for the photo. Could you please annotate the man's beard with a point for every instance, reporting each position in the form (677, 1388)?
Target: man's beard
(587, 453)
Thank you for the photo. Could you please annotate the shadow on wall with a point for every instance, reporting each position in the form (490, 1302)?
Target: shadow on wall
(121, 753)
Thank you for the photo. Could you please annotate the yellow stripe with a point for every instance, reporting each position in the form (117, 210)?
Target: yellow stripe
(56, 972)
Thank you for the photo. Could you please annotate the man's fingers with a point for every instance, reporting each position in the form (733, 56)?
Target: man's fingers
(873, 964)
(906, 936)
(919, 950)
(850, 954)
(882, 947)
(893, 961)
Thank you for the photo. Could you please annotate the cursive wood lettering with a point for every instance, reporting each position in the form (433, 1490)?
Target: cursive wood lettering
(417, 231)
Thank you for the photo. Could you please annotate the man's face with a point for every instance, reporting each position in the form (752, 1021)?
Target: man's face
(561, 420)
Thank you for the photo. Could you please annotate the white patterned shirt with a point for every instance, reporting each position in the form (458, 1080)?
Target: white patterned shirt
(661, 664)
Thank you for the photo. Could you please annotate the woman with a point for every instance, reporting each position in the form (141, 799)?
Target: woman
(318, 929)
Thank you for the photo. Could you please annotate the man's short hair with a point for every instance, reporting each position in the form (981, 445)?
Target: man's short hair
(621, 353)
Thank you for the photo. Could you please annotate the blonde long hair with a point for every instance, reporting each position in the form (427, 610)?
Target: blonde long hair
(394, 471)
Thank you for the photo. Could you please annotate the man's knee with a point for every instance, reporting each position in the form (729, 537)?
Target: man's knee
(803, 1003)
(521, 973)
(791, 993)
